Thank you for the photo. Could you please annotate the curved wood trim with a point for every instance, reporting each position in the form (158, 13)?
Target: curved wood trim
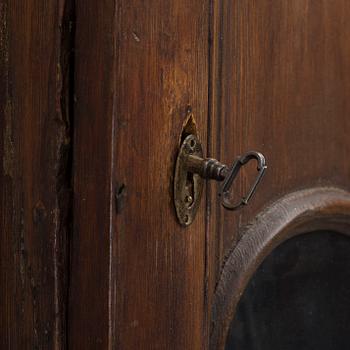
(300, 212)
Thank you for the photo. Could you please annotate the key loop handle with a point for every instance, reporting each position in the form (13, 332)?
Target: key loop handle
(232, 174)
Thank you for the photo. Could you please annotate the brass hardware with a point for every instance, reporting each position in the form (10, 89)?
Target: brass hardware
(191, 169)
(188, 186)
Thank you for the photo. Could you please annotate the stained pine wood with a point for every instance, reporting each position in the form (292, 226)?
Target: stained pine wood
(34, 177)
(107, 265)
(284, 90)
(161, 82)
(92, 279)
(137, 278)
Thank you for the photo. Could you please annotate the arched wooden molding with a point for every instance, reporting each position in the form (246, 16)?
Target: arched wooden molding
(300, 212)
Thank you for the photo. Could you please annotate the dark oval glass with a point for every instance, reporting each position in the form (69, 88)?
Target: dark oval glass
(299, 298)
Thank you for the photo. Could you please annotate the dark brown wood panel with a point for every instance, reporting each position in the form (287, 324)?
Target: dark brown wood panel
(34, 176)
(263, 75)
(137, 278)
(285, 91)
(162, 79)
(91, 276)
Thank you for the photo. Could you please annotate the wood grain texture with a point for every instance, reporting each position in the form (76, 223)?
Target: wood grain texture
(284, 91)
(91, 275)
(213, 210)
(162, 80)
(137, 278)
(301, 212)
(266, 75)
(34, 176)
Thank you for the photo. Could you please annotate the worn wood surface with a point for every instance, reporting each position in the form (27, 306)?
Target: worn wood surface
(34, 176)
(285, 91)
(137, 278)
(304, 211)
(92, 274)
(264, 75)
(161, 81)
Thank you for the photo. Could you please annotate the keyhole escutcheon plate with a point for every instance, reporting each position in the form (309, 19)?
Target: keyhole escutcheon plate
(188, 186)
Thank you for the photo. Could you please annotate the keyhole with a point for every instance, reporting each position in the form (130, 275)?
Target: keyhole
(189, 190)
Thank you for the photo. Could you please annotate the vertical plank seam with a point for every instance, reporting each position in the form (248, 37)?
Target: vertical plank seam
(211, 33)
(213, 142)
(213, 217)
(112, 240)
(67, 71)
(65, 166)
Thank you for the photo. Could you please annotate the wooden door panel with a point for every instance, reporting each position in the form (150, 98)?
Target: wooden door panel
(141, 72)
(265, 75)
(284, 91)
(91, 275)
(161, 81)
(35, 147)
